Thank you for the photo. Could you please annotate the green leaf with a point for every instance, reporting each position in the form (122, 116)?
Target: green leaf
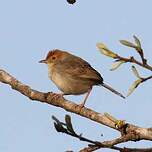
(127, 43)
(69, 124)
(137, 41)
(104, 50)
(134, 86)
(135, 72)
(116, 64)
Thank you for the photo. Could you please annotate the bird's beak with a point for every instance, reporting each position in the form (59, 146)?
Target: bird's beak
(43, 61)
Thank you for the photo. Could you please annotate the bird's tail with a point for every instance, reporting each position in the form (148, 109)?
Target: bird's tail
(112, 90)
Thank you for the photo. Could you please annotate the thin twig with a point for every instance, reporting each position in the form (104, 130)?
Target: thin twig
(147, 78)
(133, 60)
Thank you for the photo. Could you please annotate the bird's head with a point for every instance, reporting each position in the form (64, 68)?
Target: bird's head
(54, 57)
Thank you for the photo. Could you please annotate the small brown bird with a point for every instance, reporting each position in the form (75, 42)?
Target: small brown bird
(73, 75)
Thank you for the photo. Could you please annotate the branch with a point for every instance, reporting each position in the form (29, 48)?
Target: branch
(59, 102)
(91, 149)
(127, 130)
(110, 144)
(122, 139)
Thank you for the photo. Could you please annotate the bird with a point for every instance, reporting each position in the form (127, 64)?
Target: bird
(73, 75)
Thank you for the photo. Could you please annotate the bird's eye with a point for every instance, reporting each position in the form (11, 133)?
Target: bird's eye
(53, 58)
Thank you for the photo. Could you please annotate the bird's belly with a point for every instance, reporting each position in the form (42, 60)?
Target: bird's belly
(68, 85)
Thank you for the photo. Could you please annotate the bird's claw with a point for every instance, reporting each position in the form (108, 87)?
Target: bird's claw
(57, 95)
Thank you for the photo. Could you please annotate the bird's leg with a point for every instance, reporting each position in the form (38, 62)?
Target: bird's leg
(86, 97)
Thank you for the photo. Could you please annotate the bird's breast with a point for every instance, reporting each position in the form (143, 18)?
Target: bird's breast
(59, 79)
(68, 84)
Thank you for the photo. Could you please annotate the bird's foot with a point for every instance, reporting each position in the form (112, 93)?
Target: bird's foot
(85, 99)
(54, 95)
(82, 104)
(57, 95)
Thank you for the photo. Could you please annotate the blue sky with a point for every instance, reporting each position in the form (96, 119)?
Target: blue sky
(29, 29)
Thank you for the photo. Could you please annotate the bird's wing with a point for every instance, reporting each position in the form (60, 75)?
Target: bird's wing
(79, 68)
